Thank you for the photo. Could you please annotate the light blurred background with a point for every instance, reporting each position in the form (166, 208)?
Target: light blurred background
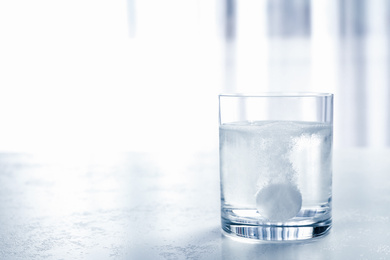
(80, 76)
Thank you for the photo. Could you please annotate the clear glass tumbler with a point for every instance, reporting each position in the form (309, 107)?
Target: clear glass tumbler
(276, 165)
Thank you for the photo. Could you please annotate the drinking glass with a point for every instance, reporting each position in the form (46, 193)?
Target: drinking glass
(276, 165)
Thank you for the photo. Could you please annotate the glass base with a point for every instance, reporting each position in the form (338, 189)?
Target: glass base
(277, 232)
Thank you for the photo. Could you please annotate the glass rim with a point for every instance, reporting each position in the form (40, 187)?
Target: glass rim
(277, 94)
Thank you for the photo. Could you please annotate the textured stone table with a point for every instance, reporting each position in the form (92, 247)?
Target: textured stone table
(145, 206)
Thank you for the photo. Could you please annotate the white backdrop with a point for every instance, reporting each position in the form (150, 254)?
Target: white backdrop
(144, 75)
(72, 79)
(337, 46)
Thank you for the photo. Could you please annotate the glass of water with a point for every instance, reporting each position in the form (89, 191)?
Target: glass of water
(276, 165)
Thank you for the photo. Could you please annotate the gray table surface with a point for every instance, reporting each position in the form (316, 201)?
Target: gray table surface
(144, 206)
